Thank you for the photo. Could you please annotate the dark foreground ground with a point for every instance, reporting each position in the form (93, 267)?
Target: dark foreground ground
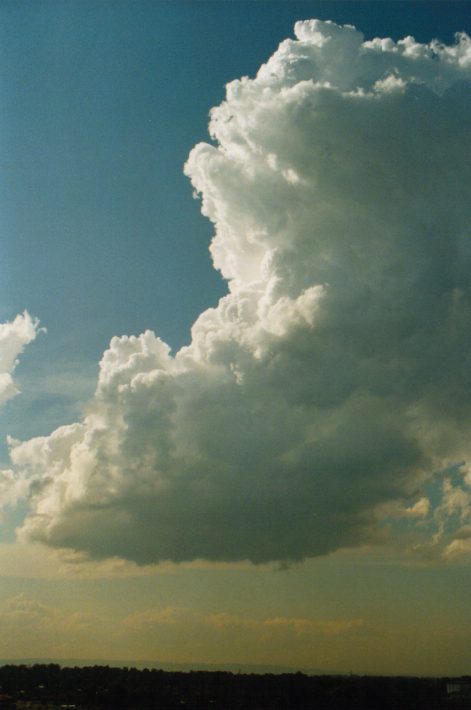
(49, 687)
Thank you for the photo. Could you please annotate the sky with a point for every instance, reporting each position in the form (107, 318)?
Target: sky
(235, 309)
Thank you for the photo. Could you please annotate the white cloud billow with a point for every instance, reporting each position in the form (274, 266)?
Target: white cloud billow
(334, 378)
(14, 336)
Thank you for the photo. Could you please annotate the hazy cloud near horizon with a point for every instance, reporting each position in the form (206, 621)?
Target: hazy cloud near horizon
(29, 623)
(333, 380)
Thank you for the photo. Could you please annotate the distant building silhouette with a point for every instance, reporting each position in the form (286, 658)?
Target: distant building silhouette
(459, 687)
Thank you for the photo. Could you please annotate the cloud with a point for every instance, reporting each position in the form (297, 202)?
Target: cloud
(31, 628)
(14, 336)
(289, 625)
(227, 622)
(333, 379)
(166, 616)
(460, 545)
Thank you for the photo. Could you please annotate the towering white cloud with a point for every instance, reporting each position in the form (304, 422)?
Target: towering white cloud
(334, 378)
(14, 336)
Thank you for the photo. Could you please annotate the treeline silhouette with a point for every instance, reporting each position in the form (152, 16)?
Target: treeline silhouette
(95, 687)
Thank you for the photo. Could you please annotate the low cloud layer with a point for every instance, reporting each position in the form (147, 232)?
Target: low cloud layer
(33, 628)
(333, 380)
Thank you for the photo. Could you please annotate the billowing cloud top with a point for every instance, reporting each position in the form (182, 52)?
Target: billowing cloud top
(334, 378)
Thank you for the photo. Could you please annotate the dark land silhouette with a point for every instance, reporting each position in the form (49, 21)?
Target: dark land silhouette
(50, 686)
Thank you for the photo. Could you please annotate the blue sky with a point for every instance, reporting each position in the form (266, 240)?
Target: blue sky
(318, 411)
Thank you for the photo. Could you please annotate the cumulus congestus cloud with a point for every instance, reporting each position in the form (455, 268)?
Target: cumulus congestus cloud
(334, 378)
(14, 336)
